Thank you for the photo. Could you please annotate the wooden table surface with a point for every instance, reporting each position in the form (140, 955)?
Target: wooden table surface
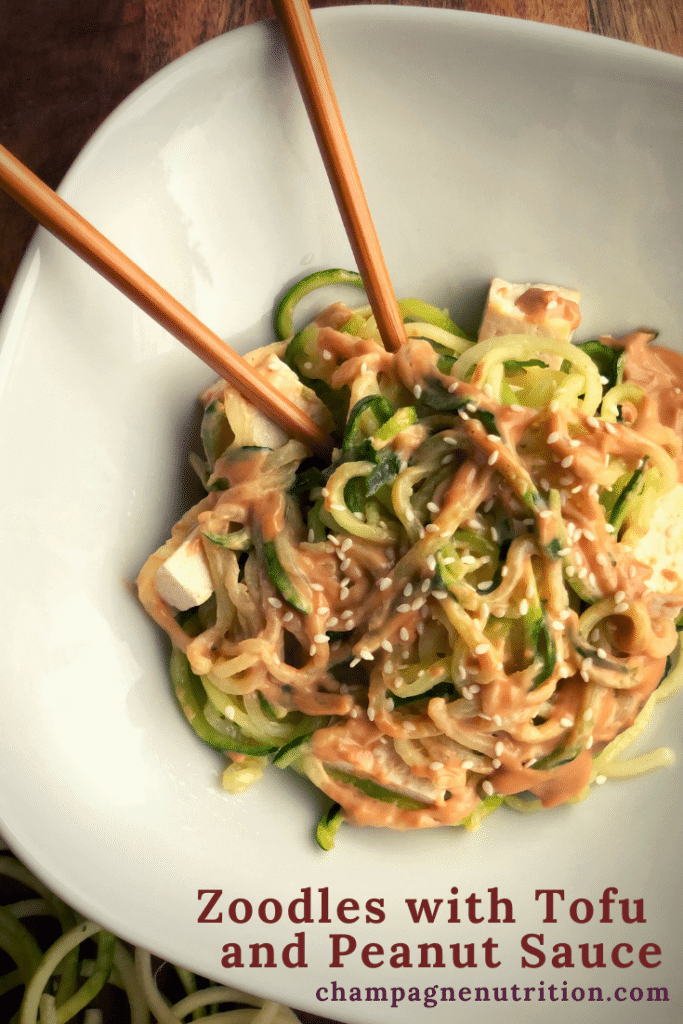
(68, 63)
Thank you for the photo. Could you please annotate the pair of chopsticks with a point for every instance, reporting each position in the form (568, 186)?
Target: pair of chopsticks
(86, 241)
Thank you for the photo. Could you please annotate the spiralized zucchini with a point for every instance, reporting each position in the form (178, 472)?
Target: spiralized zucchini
(88, 976)
(467, 606)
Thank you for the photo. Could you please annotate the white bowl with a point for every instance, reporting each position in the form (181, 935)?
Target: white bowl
(487, 147)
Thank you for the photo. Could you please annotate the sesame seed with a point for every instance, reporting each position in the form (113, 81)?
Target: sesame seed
(610, 428)
(327, 354)
(588, 715)
(566, 722)
(403, 608)
(620, 608)
(499, 748)
(619, 596)
(431, 528)
(600, 780)
(365, 654)
(554, 437)
(348, 614)
(321, 638)
(609, 528)
(436, 766)
(446, 460)
(371, 714)
(387, 645)
(312, 650)
(404, 634)
(523, 606)
(417, 391)
(592, 422)
(288, 616)
(451, 440)
(488, 788)
(467, 765)
(493, 458)
(425, 585)
(496, 763)
(589, 743)
(323, 610)
(567, 461)
(482, 648)
(431, 563)
(334, 621)
(384, 583)
(440, 595)
(452, 388)
(274, 602)
(432, 506)
(354, 662)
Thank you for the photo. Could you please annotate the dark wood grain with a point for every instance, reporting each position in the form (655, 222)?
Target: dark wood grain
(68, 63)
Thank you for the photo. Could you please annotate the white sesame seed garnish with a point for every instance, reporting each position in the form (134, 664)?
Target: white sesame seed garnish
(371, 714)
(600, 780)
(403, 608)
(288, 616)
(482, 648)
(523, 606)
(321, 638)
(365, 654)
(312, 650)
(384, 583)
(496, 763)
(588, 715)
(467, 765)
(488, 788)
(566, 723)
(499, 748)
(440, 595)
(387, 645)
(493, 458)
(431, 528)
(404, 634)
(432, 506)
(554, 437)
(567, 461)
(620, 608)
(275, 602)
(436, 766)
(327, 354)
(417, 391)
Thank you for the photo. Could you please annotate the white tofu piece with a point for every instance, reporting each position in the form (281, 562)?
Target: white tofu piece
(543, 310)
(184, 580)
(250, 425)
(662, 546)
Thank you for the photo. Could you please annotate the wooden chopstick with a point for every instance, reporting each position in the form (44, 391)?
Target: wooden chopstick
(87, 242)
(314, 81)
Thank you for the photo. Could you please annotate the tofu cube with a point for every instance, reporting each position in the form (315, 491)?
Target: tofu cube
(184, 580)
(539, 309)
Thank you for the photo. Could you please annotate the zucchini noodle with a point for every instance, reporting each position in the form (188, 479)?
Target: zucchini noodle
(60, 984)
(473, 602)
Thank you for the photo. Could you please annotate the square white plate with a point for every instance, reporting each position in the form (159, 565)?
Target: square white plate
(487, 147)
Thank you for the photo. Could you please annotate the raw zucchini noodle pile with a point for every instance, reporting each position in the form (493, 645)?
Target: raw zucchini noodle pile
(61, 983)
(473, 602)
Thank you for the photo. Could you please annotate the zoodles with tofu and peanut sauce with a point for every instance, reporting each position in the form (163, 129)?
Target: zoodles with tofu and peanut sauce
(474, 602)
